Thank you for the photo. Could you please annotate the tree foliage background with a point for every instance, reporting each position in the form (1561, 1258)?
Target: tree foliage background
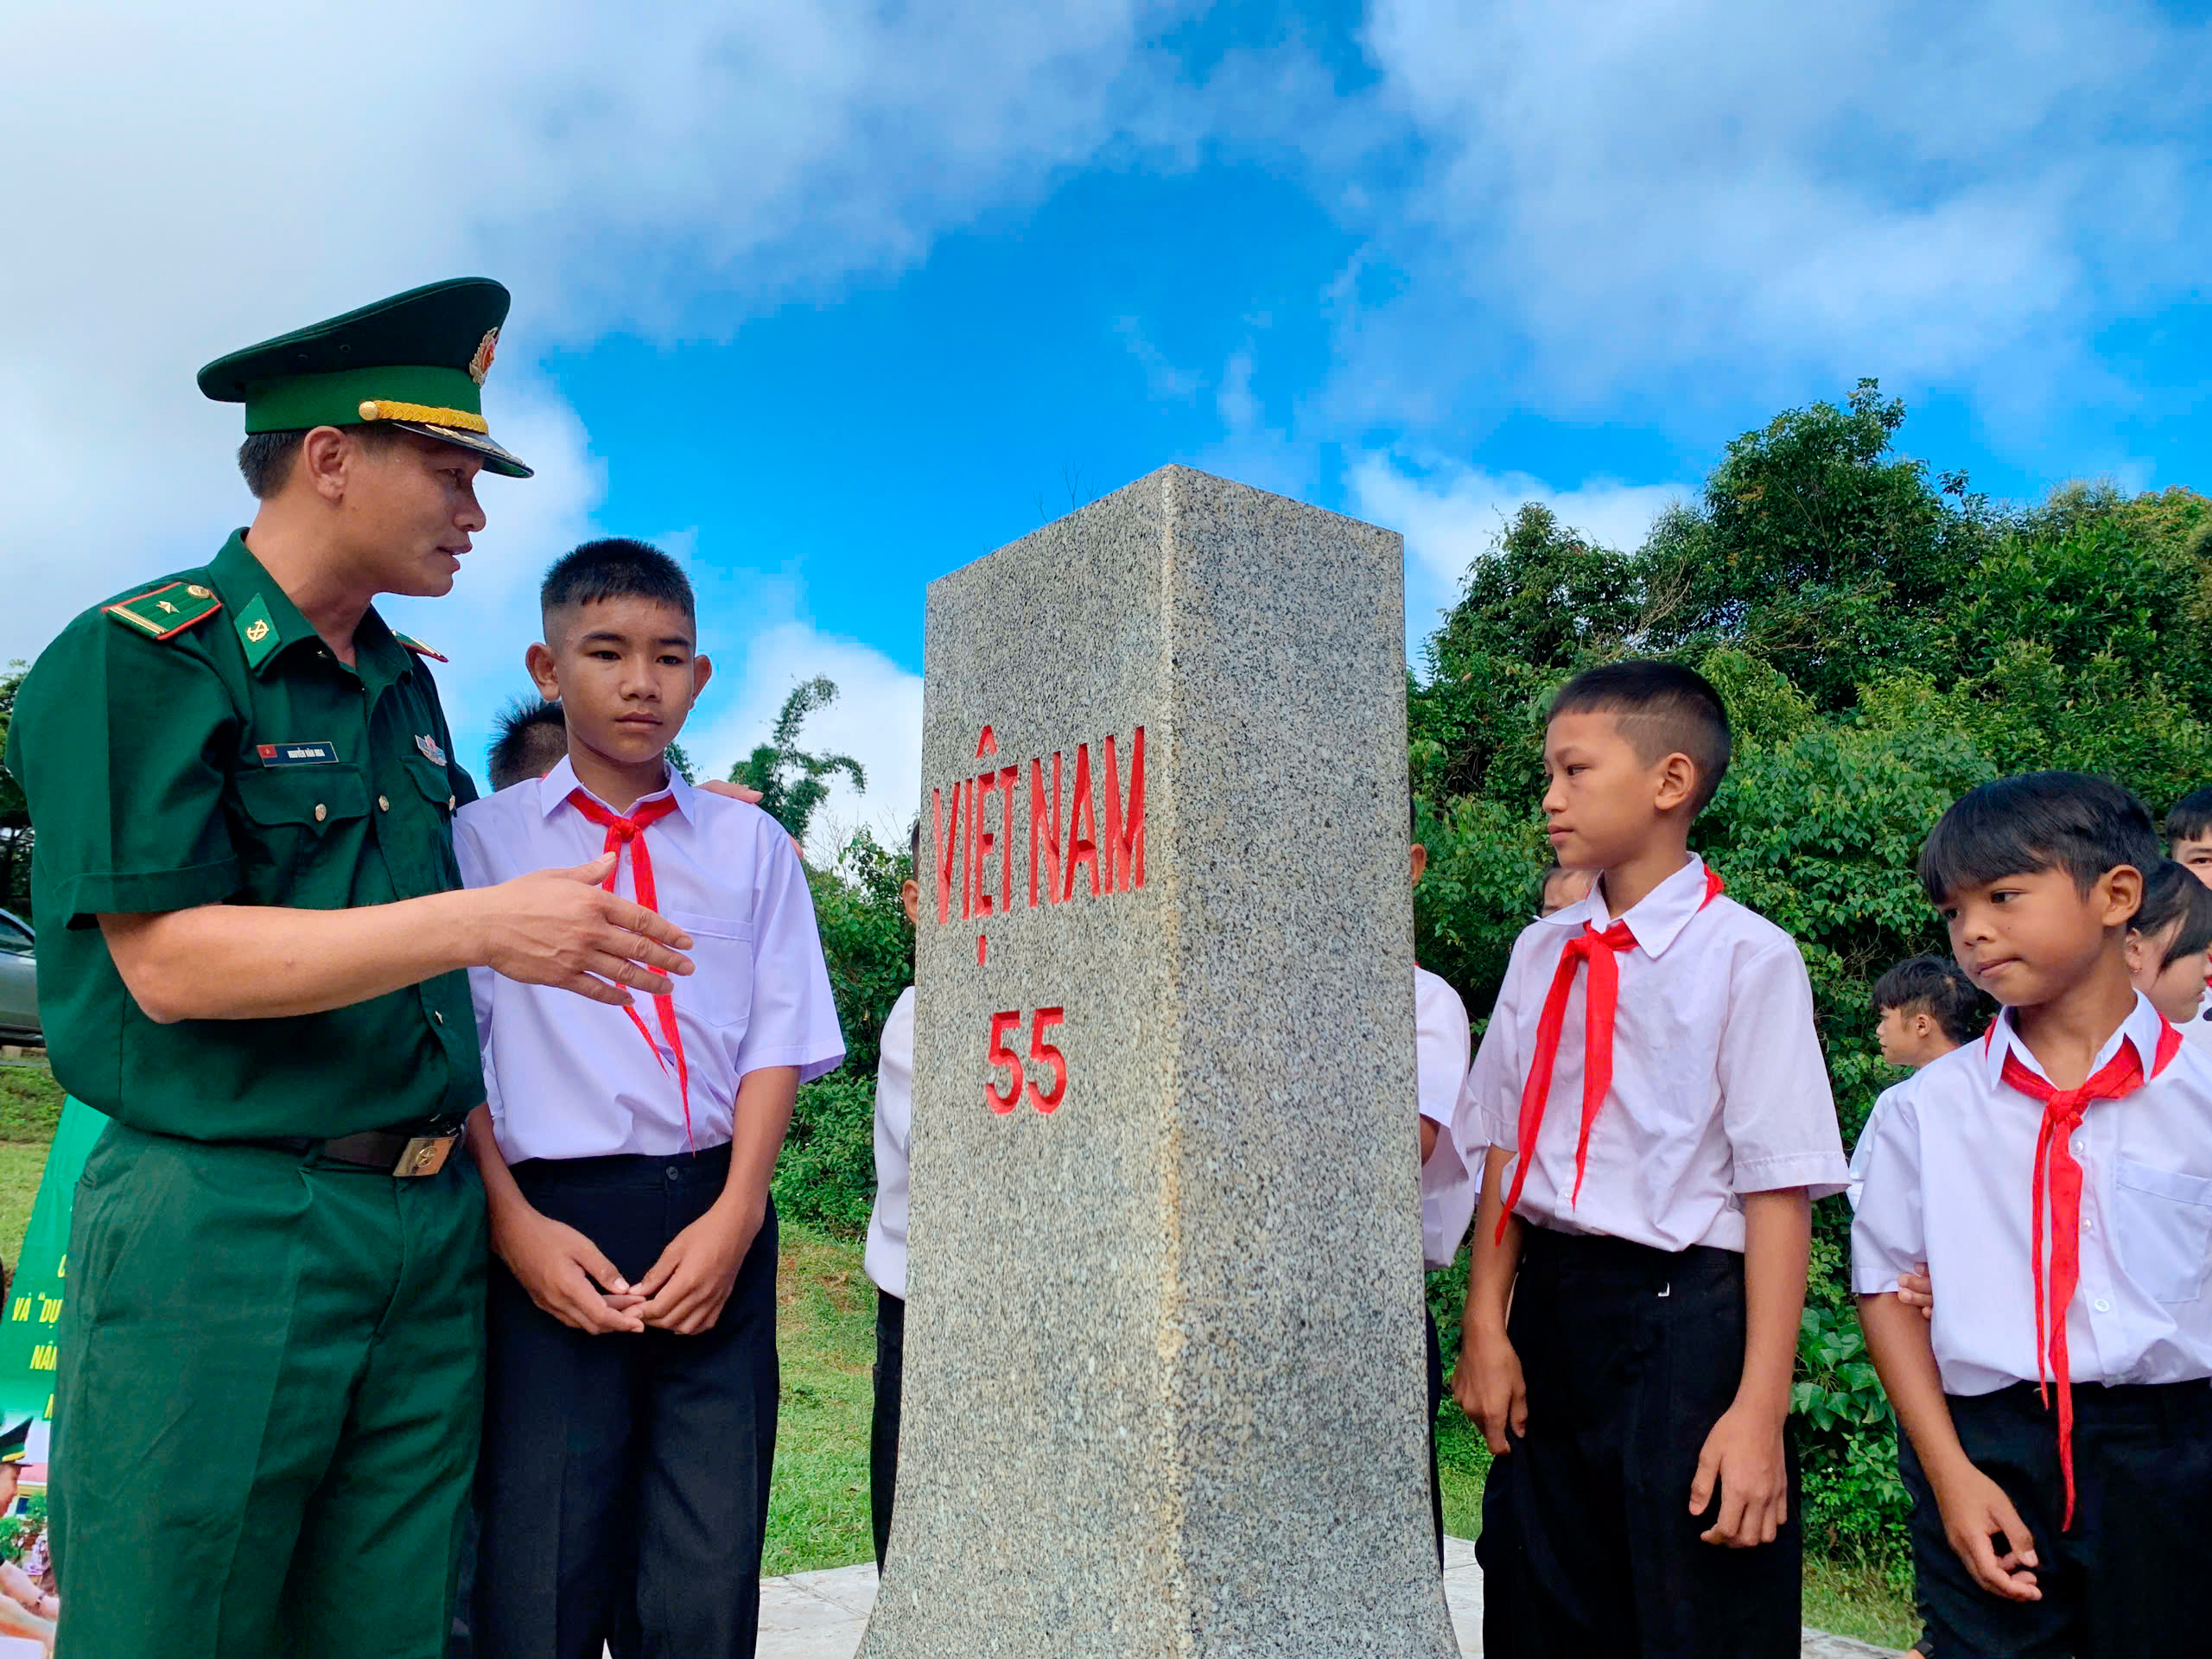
(1885, 638)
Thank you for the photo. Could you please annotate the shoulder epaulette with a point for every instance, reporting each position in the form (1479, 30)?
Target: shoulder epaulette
(418, 647)
(167, 611)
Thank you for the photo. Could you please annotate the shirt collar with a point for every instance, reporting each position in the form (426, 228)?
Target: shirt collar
(2141, 1027)
(553, 790)
(243, 580)
(1656, 920)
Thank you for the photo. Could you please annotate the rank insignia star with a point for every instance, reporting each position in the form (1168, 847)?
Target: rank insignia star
(166, 606)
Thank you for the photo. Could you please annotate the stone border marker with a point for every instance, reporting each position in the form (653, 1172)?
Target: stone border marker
(1164, 1349)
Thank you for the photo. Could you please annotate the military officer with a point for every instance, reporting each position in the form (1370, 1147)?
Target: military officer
(253, 942)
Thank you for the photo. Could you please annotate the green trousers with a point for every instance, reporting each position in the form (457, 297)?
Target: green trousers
(268, 1402)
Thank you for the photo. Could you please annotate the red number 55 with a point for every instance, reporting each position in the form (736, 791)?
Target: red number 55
(1002, 1057)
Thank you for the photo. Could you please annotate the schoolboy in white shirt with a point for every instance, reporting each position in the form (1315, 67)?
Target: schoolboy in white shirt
(1451, 1151)
(2057, 1177)
(885, 1262)
(1659, 1120)
(1924, 1007)
(632, 1383)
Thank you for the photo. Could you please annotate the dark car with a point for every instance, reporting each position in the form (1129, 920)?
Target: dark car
(18, 981)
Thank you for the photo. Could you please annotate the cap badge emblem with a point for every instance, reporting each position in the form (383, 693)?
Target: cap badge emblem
(480, 364)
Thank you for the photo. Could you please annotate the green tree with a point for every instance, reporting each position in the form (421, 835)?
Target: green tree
(15, 810)
(792, 783)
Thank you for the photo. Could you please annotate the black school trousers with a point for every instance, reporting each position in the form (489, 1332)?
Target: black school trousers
(883, 1430)
(2132, 1576)
(623, 1488)
(1630, 1355)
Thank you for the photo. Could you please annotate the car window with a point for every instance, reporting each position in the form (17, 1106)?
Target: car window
(13, 941)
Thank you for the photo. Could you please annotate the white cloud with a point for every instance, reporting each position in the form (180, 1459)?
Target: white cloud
(877, 719)
(1704, 199)
(1452, 514)
(186, 178)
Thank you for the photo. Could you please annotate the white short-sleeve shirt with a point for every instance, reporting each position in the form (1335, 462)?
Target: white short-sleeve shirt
(1718, 1088)
(568, 1078)
(1951, 1172)
(885, 1260)
(1450, 1177)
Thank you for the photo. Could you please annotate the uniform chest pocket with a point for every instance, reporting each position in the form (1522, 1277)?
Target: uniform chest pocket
(299, 820)
(2164, 1229)
(436, 785)
(719, 991)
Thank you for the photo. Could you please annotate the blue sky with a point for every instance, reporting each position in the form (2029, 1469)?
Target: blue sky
(833, 299)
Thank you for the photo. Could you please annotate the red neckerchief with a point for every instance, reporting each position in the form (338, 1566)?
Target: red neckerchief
(2057, 1193)
(1599, 950)
(631, 832)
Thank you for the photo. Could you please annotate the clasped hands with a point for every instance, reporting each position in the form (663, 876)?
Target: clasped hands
(570, 1277)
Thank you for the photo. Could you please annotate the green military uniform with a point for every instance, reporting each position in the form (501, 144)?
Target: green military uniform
(269, 1377)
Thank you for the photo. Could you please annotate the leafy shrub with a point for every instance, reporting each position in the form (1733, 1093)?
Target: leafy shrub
(826, 1176)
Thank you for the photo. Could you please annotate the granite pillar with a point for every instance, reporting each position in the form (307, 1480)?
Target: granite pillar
(1164, 1387)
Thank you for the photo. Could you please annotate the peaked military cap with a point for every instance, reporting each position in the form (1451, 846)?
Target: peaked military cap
(417, 360)
(15, 1442)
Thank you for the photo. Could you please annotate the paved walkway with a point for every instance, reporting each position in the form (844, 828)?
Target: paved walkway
(821, 1615)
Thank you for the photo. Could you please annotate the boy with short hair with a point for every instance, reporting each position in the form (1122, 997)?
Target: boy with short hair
(885, 1261)
(626, 1152)
(1924, 1007)
(2188, 834)
(529, 741)
(1653, 1252)
(2055, 1178)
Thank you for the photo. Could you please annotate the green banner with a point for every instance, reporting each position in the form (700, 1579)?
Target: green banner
(27, 1335)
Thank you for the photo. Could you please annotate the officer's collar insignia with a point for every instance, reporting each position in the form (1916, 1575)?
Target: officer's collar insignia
(431, 751)
(165, 612)
(417, 647)
(480, 364)
(257, 632)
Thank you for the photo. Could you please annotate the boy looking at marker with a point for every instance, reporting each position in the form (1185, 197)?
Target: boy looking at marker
(1653, 1255)
(2055, 1178)
(885, 1260)
(630, 1410)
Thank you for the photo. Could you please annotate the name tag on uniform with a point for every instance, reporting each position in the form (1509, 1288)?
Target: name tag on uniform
(298, 754)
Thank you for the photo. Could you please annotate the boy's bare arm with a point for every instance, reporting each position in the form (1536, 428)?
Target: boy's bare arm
(1974, 1507)
(1742, 1455)
(550, 1259)
(686, 1289)
(262, 962)
(1487, 1382)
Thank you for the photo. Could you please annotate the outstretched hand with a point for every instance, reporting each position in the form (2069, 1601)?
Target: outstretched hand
(561, 928)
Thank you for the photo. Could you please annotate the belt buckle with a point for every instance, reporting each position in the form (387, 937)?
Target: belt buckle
(425, 1154)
